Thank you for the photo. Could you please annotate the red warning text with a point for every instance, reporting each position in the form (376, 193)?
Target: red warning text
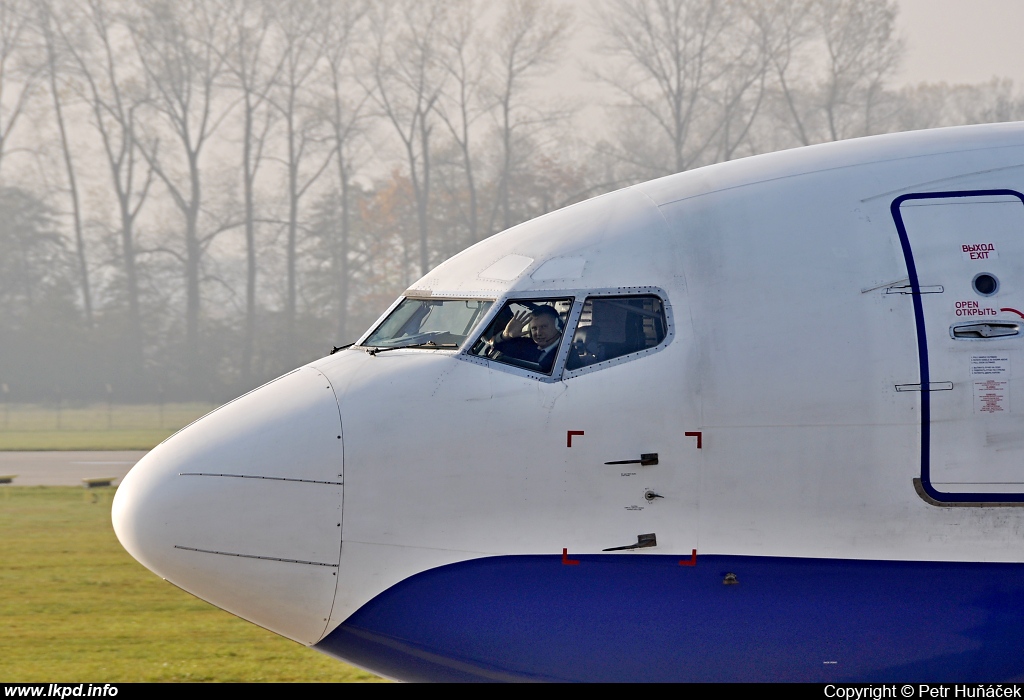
(973, 308)
(978, 251)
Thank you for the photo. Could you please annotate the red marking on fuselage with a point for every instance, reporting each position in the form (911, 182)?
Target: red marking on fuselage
(573, 562)
(697, 435)
(1013, 311)
(692, 561)
(568, 436)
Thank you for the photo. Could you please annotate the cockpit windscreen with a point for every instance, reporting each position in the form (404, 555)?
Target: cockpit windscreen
(435, 324)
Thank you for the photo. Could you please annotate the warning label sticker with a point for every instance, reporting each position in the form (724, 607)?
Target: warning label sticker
(990, 375)
(991, 365)
(978, 251)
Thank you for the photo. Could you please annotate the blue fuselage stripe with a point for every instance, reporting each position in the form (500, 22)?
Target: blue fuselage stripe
(635, 617)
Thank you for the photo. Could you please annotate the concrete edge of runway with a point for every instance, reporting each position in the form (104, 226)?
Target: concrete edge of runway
(66, 468)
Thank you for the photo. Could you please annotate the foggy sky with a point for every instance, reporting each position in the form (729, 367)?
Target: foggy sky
(962, 41)
(282, 291)
(947, 41)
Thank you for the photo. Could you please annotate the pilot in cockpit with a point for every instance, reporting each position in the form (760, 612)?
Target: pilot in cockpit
(532, 337)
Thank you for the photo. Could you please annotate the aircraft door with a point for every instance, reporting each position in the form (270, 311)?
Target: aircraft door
(965, 257)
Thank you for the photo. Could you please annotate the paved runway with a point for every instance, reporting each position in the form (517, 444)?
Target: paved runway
(65, 468)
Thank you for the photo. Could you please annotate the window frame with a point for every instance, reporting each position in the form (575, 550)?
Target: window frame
(410, 295)
(555, 375)
(579, 297)
(632, 356)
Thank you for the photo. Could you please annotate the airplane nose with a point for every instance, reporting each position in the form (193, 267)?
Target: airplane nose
(243, 507)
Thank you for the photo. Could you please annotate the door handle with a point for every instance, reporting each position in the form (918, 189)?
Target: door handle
(649, 540)
(646, 460)
(985, 329)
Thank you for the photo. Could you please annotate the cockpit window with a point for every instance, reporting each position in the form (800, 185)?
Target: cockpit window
(441, 324)
(526, 333)
(611, 327)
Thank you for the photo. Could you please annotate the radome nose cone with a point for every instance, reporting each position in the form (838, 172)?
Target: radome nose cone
(243, 507)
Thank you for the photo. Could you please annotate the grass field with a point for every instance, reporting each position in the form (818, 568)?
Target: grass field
(77, 608)
(93, 426)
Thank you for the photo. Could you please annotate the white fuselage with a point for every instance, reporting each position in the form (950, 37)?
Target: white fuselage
(784, 402)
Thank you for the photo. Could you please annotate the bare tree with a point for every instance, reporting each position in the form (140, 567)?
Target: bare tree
(740, 93)
(175, 46)
(462, 106)
(345, 114)
(996, 101)
(19, 73)
(56, 68)
(406, 79)
(254, 72)
(671, 54)
(298, 25)
(786, 30)
(529, 37)
(930, 105)
(863, 52)
(114, 96)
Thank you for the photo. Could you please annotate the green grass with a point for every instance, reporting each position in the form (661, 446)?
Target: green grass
(94, 426)
(77, 608)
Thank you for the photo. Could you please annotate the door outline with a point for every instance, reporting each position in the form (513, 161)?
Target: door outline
(940, 497)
